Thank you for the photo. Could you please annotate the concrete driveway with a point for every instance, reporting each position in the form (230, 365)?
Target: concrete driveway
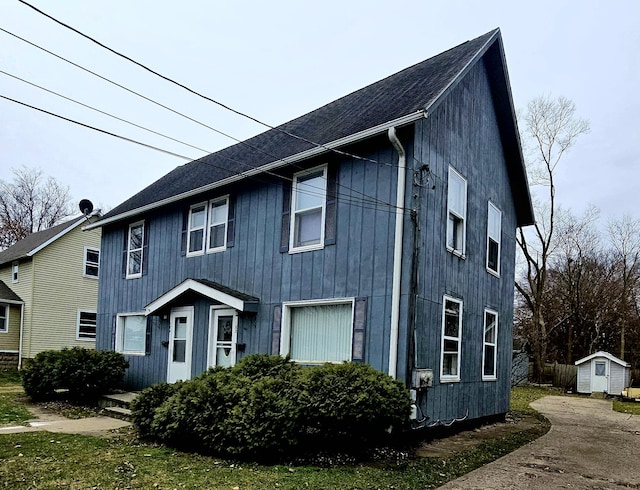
(589, 446)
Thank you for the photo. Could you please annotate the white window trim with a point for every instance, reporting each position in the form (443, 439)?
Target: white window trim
(223, 247)
(7, 309)
(15, 267)
(449, 378)
(85, 339)
(129, 249)
(119, 338)
(207, 227)
(212, 350)
(460, 253)
(204, 229)
(499, 238)
(292, 219)
(494, 376)
(285, 329)
(84, 263)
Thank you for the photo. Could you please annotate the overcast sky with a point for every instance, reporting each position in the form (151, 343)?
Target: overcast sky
(280, 59)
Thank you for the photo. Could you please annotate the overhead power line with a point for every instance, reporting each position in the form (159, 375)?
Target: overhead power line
(244, 143)
(195, 92)
(346, 198)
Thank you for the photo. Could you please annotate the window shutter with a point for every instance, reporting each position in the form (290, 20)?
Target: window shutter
(113, 332)
(330, 223)
(231, 222)
(359, 329)
(145, 248)
(286, 216)
(275, 330)
(183, 238)
(125, 247)
(147, 345)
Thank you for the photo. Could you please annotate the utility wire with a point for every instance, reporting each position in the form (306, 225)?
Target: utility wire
(348, 199)
(245, 143)
(97, 129)
(103, 112)
(189, 89)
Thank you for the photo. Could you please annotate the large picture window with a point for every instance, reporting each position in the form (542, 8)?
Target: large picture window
(317, 332)
(494, 225)
(309, 195)
(207, 228)
(456, 212)
(490, 349)
(131, 333)
(135, 245)
(86, 327)
(451, 339)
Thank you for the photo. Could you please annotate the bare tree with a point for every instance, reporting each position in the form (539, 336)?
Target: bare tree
(30, 203)
(624, 235)
(551, 127)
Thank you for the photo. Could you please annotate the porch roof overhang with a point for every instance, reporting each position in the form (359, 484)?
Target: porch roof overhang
(8, 296)
(209, 289)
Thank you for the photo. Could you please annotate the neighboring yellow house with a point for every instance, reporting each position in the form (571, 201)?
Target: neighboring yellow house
(49, 291)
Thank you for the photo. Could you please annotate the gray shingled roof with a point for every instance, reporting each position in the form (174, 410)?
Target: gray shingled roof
(22, 248)
(7, 294)
(406, 92)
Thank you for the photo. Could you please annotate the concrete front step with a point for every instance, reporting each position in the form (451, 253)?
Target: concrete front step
(118, 413)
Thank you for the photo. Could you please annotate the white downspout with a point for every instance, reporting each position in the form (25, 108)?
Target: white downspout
(21, 334)
(397, 254)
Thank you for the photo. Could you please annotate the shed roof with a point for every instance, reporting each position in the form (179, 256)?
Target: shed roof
(603, 354)
(35, 242)
(7, 295)
(393, 101)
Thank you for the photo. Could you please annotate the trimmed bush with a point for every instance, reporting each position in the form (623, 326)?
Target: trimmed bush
(351, 404)
(267, 407)
(85, 373)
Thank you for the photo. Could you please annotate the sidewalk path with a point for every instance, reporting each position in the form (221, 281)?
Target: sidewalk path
(56, 423)
(589, 446)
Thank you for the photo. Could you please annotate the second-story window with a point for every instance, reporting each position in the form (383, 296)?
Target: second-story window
(14, 272)
(309, 195)
(207, 227)
(494, 219)
(457, 212)
(135, 245)
(91, 262)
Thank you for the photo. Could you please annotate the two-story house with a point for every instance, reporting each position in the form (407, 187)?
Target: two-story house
(379, 228)
(49, 291)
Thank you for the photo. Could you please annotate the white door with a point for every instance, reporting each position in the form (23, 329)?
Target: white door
(180, 343)
(223, 335)
(600, 375)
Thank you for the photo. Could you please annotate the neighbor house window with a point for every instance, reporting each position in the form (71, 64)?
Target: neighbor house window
(131, 333)
(135, 244)
(317, 332)
(91, 262)
(456, 212)
(309, 195)
(86, 328)
(490, 350)
(4, 318)
(451, 339)
(14, 272)
(494, 224)
(207, 228)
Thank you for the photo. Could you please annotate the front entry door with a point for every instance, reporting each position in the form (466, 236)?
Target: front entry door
(180, 343)
(223, 335)
(600, 375)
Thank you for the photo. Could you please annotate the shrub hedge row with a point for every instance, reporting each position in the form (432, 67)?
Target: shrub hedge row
(85, 373)
(267, 407)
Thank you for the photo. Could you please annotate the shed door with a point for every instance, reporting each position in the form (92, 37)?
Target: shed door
(180, 340)
(600, 375)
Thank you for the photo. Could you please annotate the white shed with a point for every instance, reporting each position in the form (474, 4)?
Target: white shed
(602, 372)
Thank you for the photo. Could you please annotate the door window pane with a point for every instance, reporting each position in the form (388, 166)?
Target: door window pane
(601, 368)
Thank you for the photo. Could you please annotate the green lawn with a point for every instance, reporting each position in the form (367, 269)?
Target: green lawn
(42, 460)
(627, 407)
(12, 411)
